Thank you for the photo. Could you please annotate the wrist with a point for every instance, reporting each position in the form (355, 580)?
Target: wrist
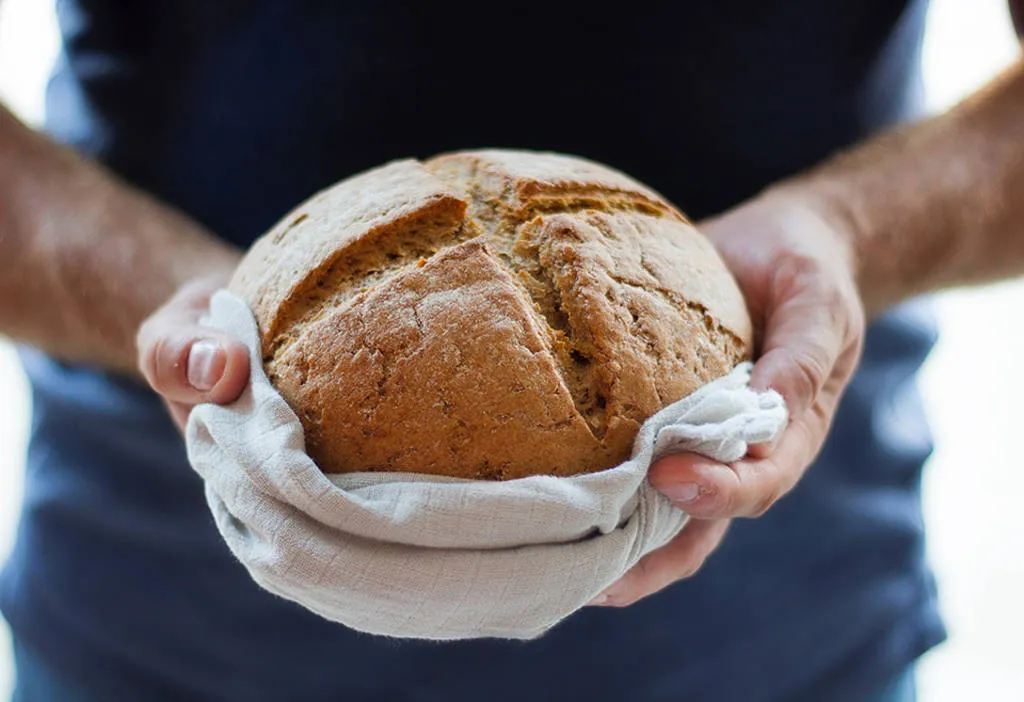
(821, 207)
(97, 253)
(808, 208)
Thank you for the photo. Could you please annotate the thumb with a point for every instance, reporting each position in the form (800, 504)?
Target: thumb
(189, 364)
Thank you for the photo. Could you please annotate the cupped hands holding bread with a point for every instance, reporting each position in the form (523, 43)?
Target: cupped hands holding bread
(795, 264)
(497, 314)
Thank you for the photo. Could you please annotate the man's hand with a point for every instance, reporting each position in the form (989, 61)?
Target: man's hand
(796, 270)
(188, 364)
(925, 206)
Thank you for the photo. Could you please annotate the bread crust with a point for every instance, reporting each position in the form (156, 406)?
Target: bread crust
(488, 314)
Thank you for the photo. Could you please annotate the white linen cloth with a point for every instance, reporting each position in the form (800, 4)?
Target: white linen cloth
(415, 556)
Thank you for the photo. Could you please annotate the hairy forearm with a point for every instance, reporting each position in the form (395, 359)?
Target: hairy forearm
(935, 204)
(84, 258)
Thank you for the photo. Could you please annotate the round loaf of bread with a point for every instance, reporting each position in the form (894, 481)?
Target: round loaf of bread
(488, 315)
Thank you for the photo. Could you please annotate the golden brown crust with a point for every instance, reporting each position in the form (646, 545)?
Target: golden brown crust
(441, 366)
(368, 215)
(488, 314)
(529, 182)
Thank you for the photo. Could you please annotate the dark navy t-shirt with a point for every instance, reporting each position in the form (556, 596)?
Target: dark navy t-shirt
(236, 110)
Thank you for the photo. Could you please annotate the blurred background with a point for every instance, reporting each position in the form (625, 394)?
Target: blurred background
(974, 393)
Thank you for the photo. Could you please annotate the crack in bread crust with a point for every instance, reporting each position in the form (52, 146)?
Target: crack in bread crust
(575, 364)
(503, 213)
(359, 267)
(505, 216)
(711, 324)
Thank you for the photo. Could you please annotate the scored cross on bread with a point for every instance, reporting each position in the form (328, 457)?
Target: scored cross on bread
(488, 314)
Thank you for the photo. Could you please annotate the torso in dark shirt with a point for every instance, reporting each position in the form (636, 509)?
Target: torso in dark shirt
(235, 111)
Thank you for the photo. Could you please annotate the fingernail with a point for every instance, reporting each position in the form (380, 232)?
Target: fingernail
(598, 601)
(682, 492)
(206, 363)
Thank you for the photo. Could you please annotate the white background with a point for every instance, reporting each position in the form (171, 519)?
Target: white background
(974, 392)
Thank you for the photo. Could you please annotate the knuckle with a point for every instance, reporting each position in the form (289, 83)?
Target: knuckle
(809, 372)
(730, 502)
(161, 362)
(799, 266)
(151, 340)
(806, 275)
(801, 272)
(782, 479)
(772, 485)
(764, 503)
(644, 578)
(166, 358)
(726, 499)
